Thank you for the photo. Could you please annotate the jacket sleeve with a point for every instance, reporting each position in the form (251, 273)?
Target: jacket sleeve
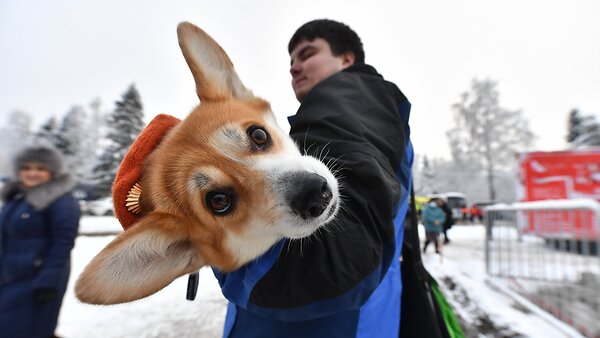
(339, 267)
(63, 217)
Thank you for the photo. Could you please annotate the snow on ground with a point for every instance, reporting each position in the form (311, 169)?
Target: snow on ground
(164, 314)
(460, 271)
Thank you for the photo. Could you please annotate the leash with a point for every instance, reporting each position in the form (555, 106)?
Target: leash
(192, 286)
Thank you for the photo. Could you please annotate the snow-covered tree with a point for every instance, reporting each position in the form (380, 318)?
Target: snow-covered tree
(487, 135)
(70, 138)
(574, 129)
(591, 133)
(124, 123)
(426, 176)
(91, 147)
(583, 130)
(14, 136)
(47, 134)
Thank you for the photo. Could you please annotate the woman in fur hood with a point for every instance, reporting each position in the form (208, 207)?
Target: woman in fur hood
(38, 227)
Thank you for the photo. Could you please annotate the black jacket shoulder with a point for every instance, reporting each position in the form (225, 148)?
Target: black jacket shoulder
(358, 110)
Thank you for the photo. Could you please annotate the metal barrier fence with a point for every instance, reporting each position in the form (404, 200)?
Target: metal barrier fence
(548, 252)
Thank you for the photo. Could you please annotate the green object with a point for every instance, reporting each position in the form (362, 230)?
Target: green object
(419, 201)
(450, 319)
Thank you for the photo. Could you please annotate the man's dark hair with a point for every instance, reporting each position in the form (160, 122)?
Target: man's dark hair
(341, 37)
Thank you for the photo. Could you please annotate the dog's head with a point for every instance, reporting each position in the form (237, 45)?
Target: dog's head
(222, 187)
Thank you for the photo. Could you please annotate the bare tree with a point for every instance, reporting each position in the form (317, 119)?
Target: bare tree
(487, 135)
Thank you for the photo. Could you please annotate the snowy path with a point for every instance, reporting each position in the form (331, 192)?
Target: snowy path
(485, 311)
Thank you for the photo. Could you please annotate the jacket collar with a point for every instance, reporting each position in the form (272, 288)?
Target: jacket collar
(43, 195)
(361, 68)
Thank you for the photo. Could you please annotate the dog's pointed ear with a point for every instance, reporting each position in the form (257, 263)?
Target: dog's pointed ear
(139, 262)
(213, 71)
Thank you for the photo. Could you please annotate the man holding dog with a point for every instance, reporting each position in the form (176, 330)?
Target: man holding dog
(344, 282)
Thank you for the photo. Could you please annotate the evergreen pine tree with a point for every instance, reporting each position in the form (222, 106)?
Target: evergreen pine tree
(574, 125)
(47, 134)
(588, 133)
(69, 140)
(124, 123)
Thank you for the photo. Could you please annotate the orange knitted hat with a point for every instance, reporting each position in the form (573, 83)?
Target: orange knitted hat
(130, 171)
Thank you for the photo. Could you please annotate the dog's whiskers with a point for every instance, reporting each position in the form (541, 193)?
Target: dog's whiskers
(321, 157)
(307, 150)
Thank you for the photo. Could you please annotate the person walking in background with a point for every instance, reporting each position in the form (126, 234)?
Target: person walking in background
(449, 222)
(38, 226)
(433, 218)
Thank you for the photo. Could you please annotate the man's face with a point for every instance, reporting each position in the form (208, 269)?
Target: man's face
(312, 62)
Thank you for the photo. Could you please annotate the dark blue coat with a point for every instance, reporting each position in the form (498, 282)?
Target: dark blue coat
(38, 230)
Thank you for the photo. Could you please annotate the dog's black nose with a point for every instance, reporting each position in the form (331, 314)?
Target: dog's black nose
(310, 196)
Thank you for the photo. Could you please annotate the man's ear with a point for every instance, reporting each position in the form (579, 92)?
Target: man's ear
(139, 262)
(348, 59)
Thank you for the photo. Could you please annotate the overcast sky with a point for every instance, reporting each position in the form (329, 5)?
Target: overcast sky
(544, 54)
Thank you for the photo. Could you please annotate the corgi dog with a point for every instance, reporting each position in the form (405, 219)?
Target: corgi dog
(223, 186)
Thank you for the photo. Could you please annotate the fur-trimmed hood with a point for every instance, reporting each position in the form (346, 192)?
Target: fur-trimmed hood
(42, 195)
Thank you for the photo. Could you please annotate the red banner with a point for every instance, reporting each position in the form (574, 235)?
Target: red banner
(561, 175)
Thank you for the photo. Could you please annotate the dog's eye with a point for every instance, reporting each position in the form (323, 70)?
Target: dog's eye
(259, 137)
(220, 202)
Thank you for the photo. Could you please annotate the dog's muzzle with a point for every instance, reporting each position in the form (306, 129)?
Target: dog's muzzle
(310, 195)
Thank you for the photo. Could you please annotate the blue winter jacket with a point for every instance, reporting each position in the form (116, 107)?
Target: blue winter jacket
(433, 218)
(344, 282)
(37, 232)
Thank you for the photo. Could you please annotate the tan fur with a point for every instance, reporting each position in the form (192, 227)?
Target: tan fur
(208, 150)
